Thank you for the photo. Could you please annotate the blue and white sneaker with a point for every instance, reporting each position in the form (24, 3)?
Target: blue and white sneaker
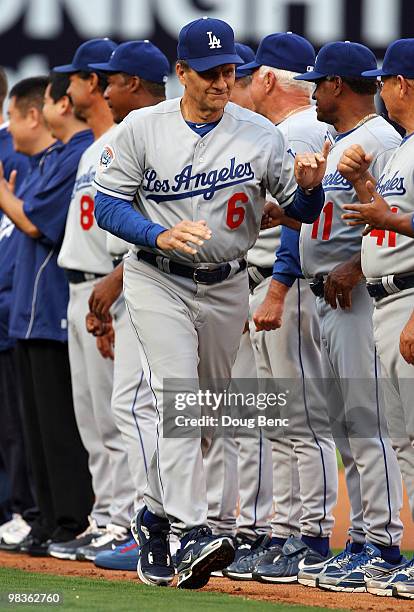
(308, 574)
(352, 577)
(123, 557)
(155, 566)
(285, 567)
(200, 554)
(384, 585)
(246, 558)
(404, 585)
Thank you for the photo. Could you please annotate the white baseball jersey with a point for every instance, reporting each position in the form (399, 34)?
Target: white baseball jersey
(84, 243)
(303, 132)
(330, 241)
(155, 159)
(384, 252)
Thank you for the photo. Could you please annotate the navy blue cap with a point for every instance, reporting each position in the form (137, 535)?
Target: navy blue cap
(398, 59)
(139, 58)
(344, 59)
(247, 55)
(95, 50)
(207, 43)
(283, 50)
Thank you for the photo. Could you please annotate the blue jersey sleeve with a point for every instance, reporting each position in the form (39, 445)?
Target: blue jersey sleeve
(119, 218)
(48, 207)
(286, 268)
(306, 208)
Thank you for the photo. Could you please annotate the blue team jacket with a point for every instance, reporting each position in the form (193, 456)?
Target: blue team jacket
(40, 291)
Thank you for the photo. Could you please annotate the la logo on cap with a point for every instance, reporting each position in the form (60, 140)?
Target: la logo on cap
(214, 42)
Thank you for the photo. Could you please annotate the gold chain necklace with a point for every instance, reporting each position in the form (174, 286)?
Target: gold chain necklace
(295, 110)
(365, 119)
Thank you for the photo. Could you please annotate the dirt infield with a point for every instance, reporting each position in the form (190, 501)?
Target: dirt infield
(289, 594)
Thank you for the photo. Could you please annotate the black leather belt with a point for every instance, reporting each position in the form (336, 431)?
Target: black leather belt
(317, 286)
(77, 276)
(257, 274)
(394, 283)
(201, 273)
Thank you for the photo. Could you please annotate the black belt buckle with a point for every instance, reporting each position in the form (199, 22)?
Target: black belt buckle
(317, 286)
(204, 276)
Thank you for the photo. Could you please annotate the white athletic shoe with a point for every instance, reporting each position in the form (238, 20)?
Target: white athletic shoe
(14, 531)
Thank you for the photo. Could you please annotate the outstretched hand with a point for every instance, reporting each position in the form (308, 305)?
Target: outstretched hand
(375, 213)
(310, 167)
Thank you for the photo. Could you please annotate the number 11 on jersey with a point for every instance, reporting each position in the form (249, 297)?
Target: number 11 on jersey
(327, 212)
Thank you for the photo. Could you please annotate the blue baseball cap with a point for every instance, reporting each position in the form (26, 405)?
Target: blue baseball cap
(283, 50)
(344, 59)
(139, 58)
(95, 50)
(398, 59)
(247, 55)
(206, 43)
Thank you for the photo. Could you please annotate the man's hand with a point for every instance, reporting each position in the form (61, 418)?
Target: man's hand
(340, 282)
(181, 235)
(96, 327)
(354, 164)
(269, 314)
(274, 215)
(310, 167)
(105, 293)
(407, 341)
(5, 184)
(376, 213)
(105, 344)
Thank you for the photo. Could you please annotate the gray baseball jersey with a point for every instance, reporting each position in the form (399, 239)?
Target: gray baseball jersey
(84, 248)
(317, 254)
(193, 180)
(84, 243)
(303, 133)
(384, 252)
(348, 351)
(302, 503)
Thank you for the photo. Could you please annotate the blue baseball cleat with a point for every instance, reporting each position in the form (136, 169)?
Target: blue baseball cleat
(124, 557)
(354, 576)
(155, 566)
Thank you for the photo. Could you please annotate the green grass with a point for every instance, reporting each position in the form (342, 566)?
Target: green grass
(99, 595)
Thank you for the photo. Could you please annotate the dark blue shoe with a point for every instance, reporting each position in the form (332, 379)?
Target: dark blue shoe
(155, 566)
(124, 557)
(200, 554)
(354, 576)
(285, 567)
(247, 558)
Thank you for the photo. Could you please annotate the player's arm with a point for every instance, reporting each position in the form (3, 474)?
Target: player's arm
(308, 199)
(12, 206)
(407, 341)
(340, 282)
(118, 217)
(106, 292)
(286, 270)
(377, 213)
(274, 216)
